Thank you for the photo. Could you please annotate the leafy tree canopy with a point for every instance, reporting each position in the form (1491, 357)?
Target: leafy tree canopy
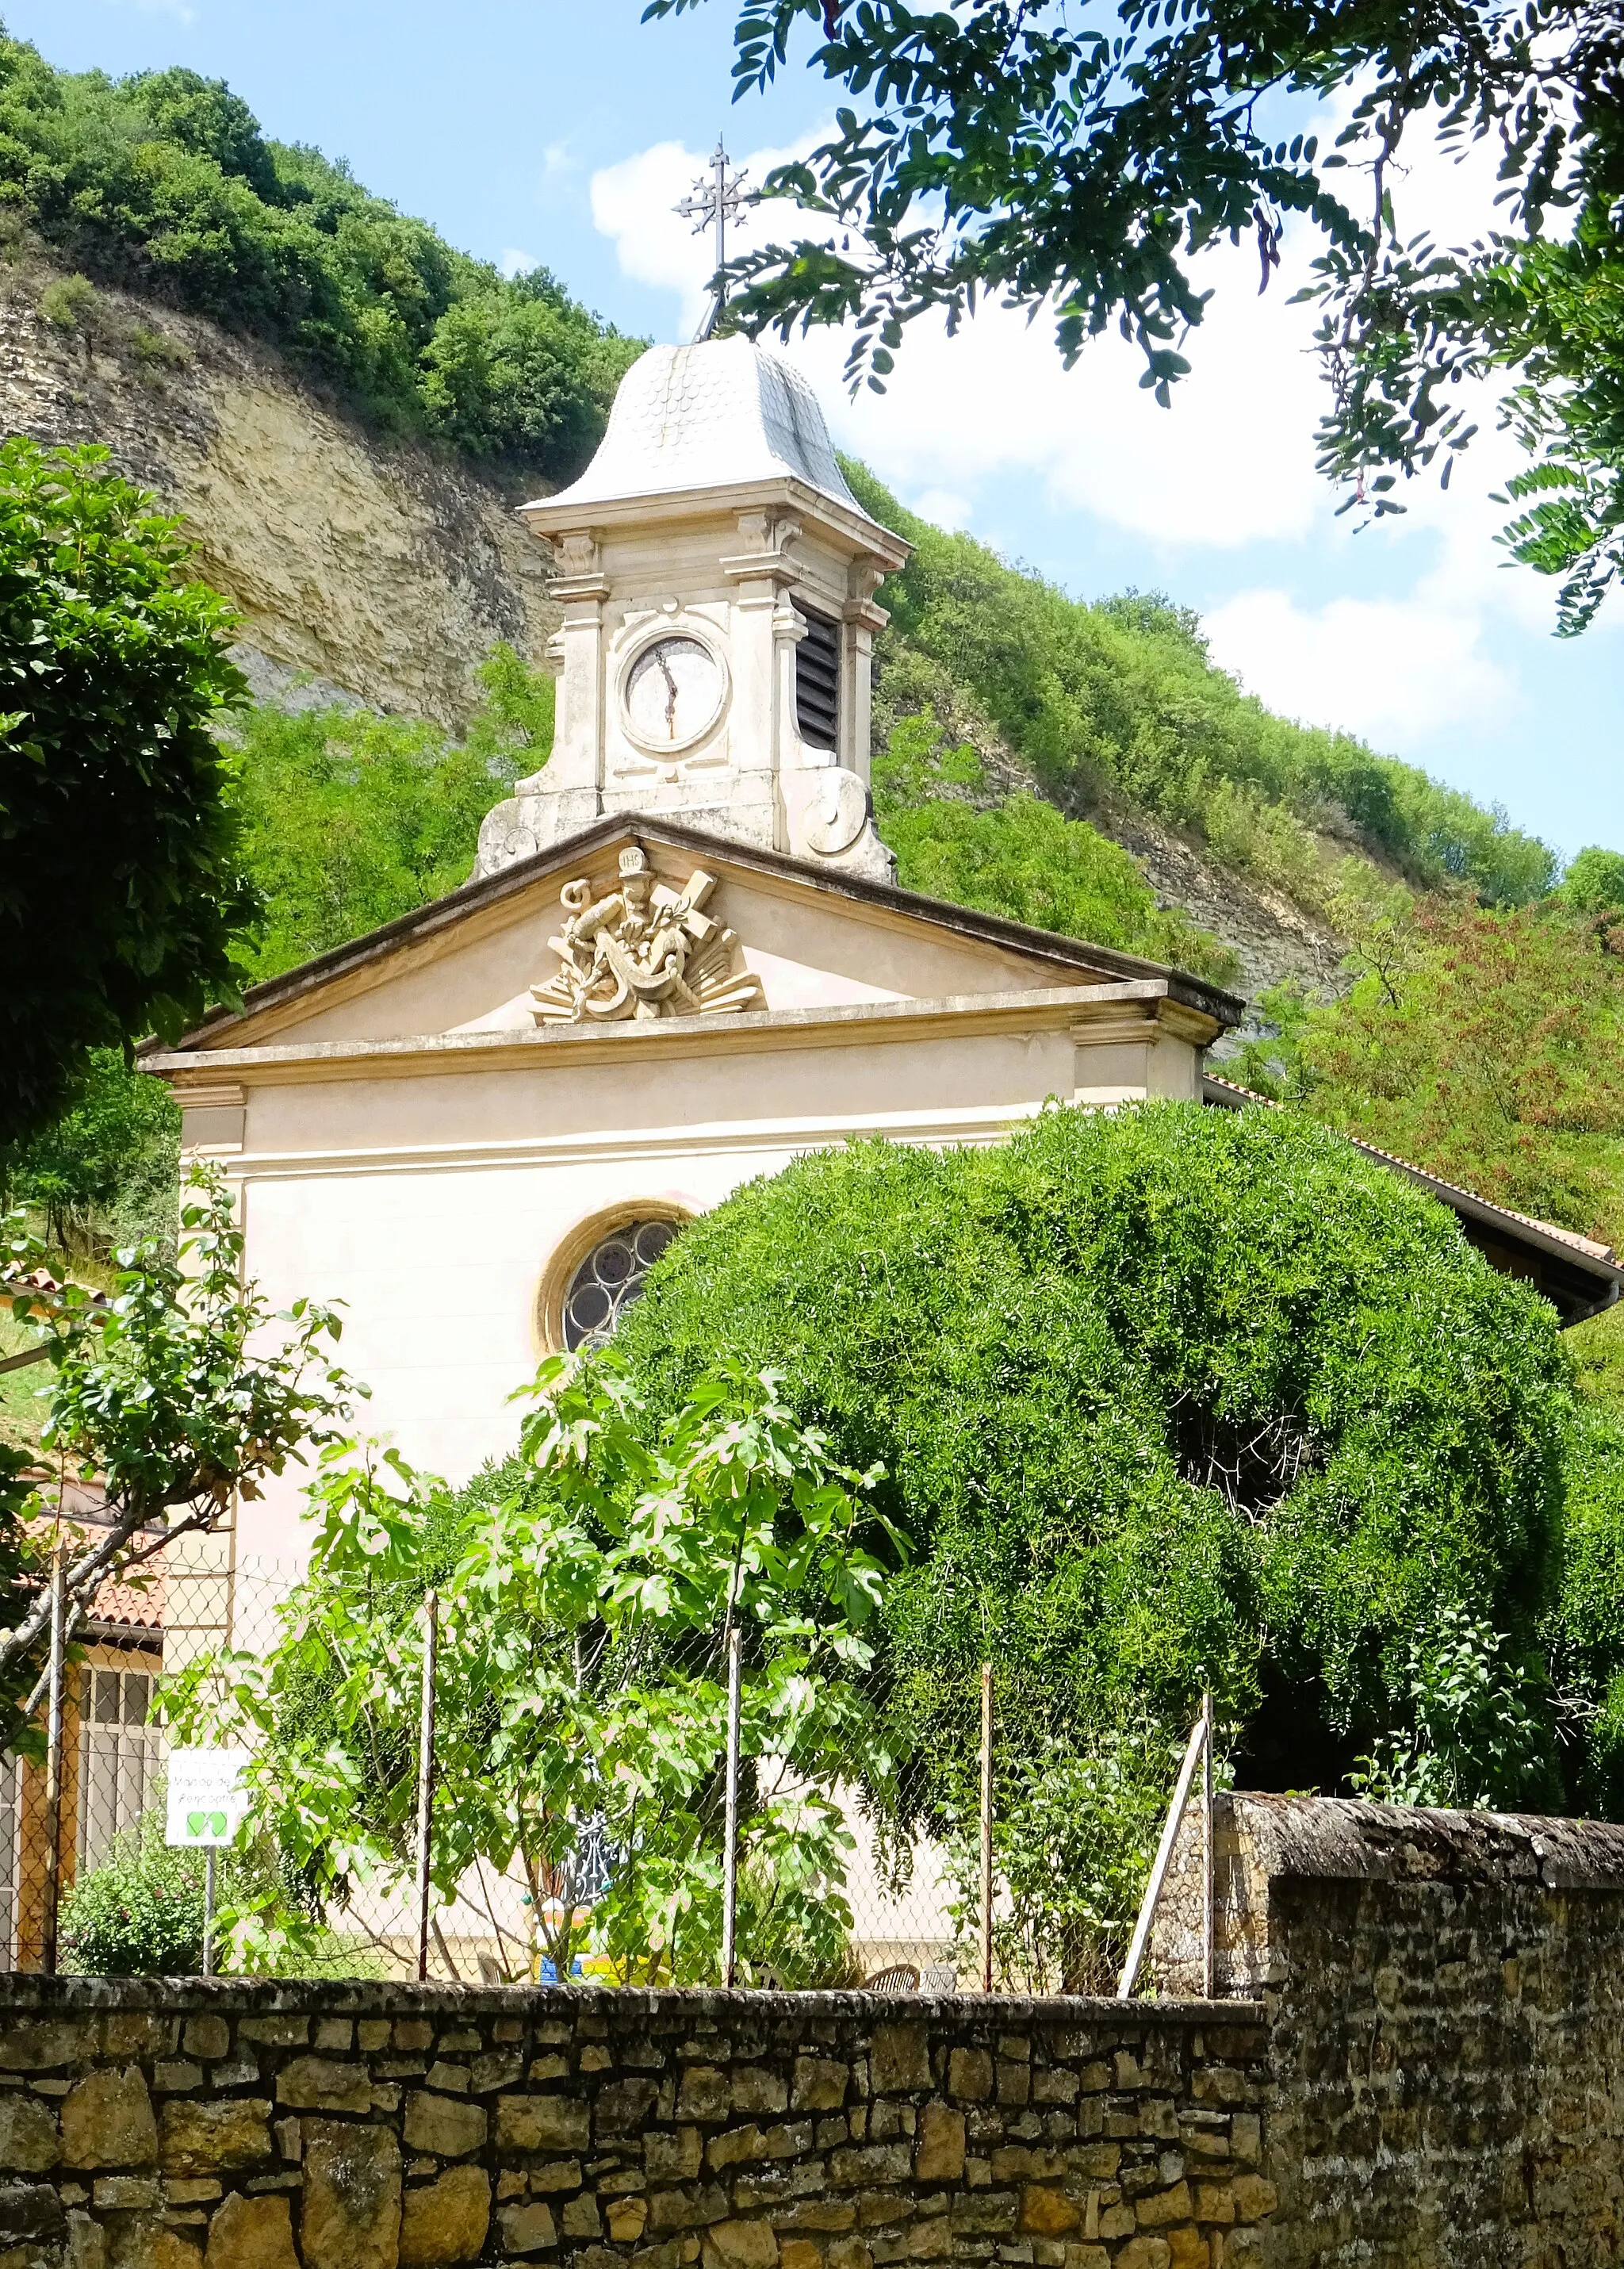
(1164, 1398)
(1594, 882)
(582, 1686)
(163, 183)
(122, 895)
(173, 1395)
(1485, 1044)
(1080, 158)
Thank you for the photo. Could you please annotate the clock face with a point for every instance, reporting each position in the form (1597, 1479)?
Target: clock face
(674, 691)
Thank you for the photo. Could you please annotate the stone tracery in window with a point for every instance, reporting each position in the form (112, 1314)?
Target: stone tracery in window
(610, 1279)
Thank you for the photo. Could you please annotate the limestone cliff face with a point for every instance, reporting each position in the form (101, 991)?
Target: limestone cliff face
(365, 567)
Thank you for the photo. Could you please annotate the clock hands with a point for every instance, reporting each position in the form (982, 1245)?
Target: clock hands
(665, 671)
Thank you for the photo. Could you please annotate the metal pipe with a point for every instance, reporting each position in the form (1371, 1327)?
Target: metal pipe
(987, 1828)
(1208, 1940)
(53, 1763)
(1164, 1852)
(730, 1823)
(425, 1772)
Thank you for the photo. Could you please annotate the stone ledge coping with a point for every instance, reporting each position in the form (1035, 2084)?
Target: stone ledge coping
(1344, 1839)
(24, 1991)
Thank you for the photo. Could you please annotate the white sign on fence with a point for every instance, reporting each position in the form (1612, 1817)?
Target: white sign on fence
(206, 1798)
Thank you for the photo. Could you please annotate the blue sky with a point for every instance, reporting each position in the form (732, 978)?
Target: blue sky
(563, 129)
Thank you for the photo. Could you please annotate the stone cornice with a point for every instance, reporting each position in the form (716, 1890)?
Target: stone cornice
(549, 519)
(484, 904)
(1136, 1010)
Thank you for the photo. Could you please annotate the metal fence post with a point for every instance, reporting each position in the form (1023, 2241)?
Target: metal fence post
(208, 1888)
(426, 1772)
(987, 1828)
(1164, 1853)
(1208, 1949)
(730, 1824)
(53, 1763)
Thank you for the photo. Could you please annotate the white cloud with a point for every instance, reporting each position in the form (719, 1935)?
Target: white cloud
(1390, 669)
(945, 507)
(513, 262)
(1230, 463)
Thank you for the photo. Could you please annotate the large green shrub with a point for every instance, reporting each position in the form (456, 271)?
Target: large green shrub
(1586, 1632)
(140, 1913)
(1165, 1397)
(121, 891)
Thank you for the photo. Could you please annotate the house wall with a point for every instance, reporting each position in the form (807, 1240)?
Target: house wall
(301, 2125)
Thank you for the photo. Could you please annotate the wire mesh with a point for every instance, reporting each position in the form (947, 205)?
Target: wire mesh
(577, 1809)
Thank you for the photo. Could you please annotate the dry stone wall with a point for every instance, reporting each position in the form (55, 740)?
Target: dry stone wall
(237, 2126)
(1445, 2002)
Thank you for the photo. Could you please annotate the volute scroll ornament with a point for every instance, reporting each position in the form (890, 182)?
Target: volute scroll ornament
(642, 951)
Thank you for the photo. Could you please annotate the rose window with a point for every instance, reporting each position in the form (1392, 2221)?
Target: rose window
(610, 1279)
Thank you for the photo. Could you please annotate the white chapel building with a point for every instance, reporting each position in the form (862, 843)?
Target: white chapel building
(682, 960)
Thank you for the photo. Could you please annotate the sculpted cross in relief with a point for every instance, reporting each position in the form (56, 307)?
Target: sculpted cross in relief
(642, 951)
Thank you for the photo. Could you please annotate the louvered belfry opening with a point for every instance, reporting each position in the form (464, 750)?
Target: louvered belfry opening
(817, 681)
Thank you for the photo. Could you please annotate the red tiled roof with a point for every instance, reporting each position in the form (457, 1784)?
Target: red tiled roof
(79, 1511)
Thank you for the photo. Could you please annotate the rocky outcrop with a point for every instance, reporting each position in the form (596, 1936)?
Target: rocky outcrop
(367, 568)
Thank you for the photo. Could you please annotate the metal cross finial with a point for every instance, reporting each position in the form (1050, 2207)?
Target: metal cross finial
(717, 198)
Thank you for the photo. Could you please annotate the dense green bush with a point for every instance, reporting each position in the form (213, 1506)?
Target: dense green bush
(1121, 700)
(108, 1171)
(350, 820)
(1586, 1633)
(122, 898)
(140, 1913)
(1166, 1397)
(163, 183)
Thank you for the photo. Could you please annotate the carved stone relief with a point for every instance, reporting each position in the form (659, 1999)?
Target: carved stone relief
(642, 951)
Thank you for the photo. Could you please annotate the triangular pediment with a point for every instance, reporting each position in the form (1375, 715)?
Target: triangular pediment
(760, 933)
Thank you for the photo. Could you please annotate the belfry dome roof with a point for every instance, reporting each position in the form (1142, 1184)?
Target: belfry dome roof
(716, 414)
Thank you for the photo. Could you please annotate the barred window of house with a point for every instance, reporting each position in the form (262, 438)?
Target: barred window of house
(120, 1757)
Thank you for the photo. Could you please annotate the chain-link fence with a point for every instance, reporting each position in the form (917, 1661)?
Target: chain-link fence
(692, 1809)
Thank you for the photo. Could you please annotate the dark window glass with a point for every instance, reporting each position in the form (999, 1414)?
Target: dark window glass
(817, 682)
(610, 1279)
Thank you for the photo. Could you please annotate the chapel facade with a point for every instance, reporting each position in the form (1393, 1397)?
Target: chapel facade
(681, 961)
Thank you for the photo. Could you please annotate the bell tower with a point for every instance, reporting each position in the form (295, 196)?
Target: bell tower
(717, 580)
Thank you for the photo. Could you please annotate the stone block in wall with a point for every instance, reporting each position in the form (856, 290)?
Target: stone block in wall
(741, 2245)
(446, 2222)
(528, 2229)
(541, 2122)
(251, 2233)
(351, 2213)
(30, 2213)
(899, 2059)
(106, 2121)
(315, 2083)
(206, 2138)
(443, 2124)
(29, 2143)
